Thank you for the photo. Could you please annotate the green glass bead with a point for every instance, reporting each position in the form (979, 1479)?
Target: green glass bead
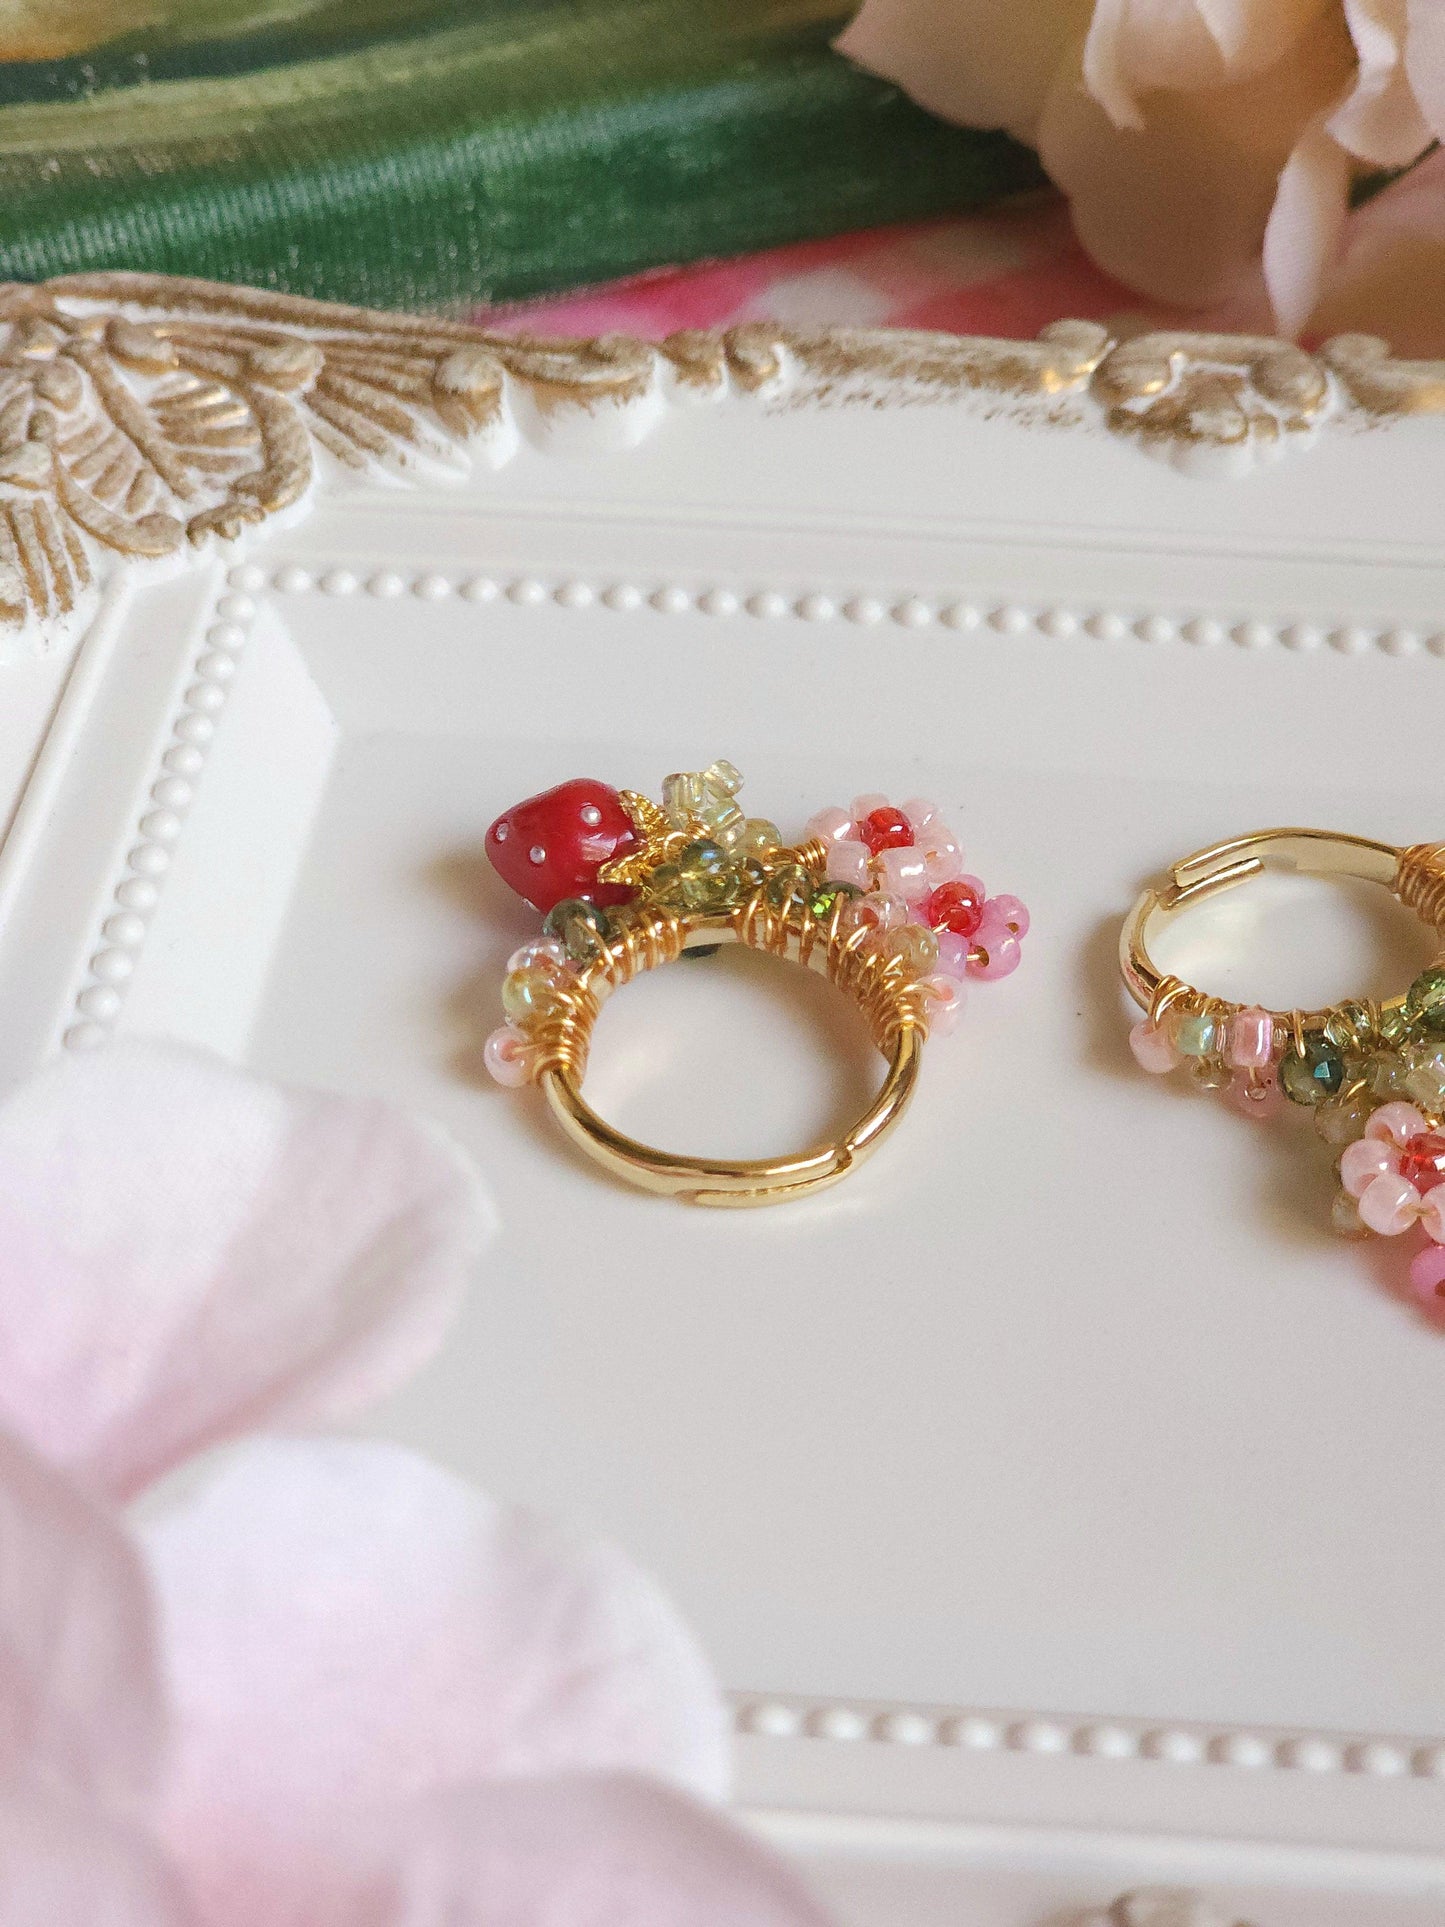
(583, 929)
(530, 992)
(1394, 1026)
(787, 885)
(915, 946)
(1210, 1074)
(760, 837)
(1345, 1218)
(1311, 1077)
(683, 795)
(1197, 1034)
(1342, 1118)
(826, 895)
(1385, 1072)
(664, 884)
(723, 777)
(704, 874)
(1425, 1003)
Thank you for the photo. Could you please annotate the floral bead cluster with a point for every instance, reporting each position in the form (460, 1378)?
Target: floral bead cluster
(591, 857)
(908, 861)
(1374, 1083)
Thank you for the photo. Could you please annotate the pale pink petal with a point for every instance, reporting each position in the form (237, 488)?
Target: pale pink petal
(348, 1627)
(1389, 277)
(1106, 64)
(1178, 209)
(604, 1850)
(1380, 119)
(187, 1251)
(66, 1867)
(1302, 235)
(80, 1700)
(1425, 60)
(973, 61)
(1251, 35)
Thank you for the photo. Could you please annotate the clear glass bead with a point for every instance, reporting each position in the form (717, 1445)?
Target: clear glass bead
(1345, 1218)
(1197, 1034)
(1385, 1072)
(759, 837)
(1210, 1074)
(531, 992)
(1342, 1118)
(724, 777)
(915, 946)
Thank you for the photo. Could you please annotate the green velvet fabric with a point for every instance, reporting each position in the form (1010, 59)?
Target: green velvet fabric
(434, 154)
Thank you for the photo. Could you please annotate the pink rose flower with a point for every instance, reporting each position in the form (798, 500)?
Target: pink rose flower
(1197, 142)
(319, 1681)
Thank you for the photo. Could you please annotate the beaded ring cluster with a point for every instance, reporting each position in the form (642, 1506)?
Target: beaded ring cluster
(1373, 1081)
(879, 890)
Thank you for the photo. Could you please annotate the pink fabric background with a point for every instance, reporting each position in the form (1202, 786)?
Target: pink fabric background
(1009, 271)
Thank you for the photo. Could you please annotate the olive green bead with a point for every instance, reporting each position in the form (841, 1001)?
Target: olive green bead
(1310, 1077)
(828, 894)
(1345, 1219)
(1425, 1003)
(1197, 1034)
(1385, 1072)
(1342, 1118)
(584, 930)
(1210, 1074)
(664, 884)
(530, 992)
(759, 837)
(915, 946)
(788, 884)
(1394, 1025)
(704, 875)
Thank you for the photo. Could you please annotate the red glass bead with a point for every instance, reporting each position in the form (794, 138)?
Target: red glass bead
(551, 846)
(1422, 1162)
(886, 829)
(956, 905)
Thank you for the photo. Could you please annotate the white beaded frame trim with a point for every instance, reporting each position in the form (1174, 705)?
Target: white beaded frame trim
(1165, 1743)
(169, 795)
(911, 611)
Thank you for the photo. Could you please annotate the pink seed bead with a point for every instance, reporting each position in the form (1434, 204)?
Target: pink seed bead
(920, 811)
(1012, 913)
(953, 952)
(1389, 1205)
(1399, 1122)
(946, 999)
(848, 863)
(508, 1056)
(995, 952)
(1153, 1049)
(830, 825)
(1432, 1214)
(1427, 1278)
(1251, 1039)
(902, 872)
(942, 866)
(1365, 1160)
(862, 806)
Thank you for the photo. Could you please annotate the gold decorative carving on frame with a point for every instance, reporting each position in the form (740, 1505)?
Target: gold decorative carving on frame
(140, 411)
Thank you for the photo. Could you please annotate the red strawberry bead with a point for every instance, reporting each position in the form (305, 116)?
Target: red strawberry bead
(553, 845)
(886, 829)
(956, 905)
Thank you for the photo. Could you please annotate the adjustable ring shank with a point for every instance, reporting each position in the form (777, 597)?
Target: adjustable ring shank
(739, 1182)
(1413, 875)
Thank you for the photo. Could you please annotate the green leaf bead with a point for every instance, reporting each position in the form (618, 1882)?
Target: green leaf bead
(1425, 1003)
(1197, 1034)
(583, 929)
(1313, 1075)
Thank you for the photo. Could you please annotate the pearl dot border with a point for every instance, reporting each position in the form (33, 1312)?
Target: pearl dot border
(1043, 1736)
(126, 917)
(910, 611)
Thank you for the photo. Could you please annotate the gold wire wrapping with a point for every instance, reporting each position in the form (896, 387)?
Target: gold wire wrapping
(1420, 883)
(888, 993)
